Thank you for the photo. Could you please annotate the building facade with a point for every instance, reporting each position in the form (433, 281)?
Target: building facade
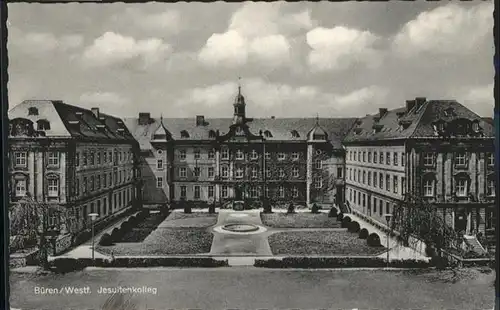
(203, 160)
(78, 159)
(434, 149)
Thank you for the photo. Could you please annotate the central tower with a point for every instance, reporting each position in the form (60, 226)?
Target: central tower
(239, 107)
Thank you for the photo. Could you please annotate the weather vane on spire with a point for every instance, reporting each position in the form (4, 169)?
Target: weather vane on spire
(317, 118)
(239, 85)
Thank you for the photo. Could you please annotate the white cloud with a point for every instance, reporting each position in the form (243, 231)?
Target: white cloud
(103, 99)
(449, 29)
(479, 99)
(264, 99)
(340, 47)
(164, 22)
(43, 42)
(111, 48)
(257, 32)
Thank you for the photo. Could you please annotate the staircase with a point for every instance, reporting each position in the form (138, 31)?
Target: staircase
(475, 245)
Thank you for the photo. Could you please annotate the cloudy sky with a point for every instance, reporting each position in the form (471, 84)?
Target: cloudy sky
(295, 59)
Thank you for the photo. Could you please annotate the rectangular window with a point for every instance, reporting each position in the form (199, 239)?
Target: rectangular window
(92, 183)
(182, 154)
(395, 161)
(461, 188)
(254, 193)
(460, 159)
(239, 154)
(99, 157)
(53, 187)
(225, 191)
(196, 192)
(395, 185)
(369, 157)
(388, 158)
(268, 173)
(239, 172)
(429, 188)
(197, 171)
(387, 208)
(210, 172)
(183, 191)
(110, 180)
(254, 173)
(295, 192)
(381, 181)
(266, 191)
(254, 154)
(491, 159)
(225, 171)
(196, 154)
(359, 176)
(381, 209)
(318, 182)
(375, 206)
(340, 172)
(403, 160)
(387, 183)
(105, 157)
(295, 156)
(428, 159)
(267, 155)
(281, 191)
(225, 153)
(364, 156)
(77, 187)
(98, 182)
(403, 186)
(210, 191)
(159, 182)
(20, 188)
(355, 200)
(182, 172)
(77, 159)
(490, 187)
(281, 156)
(364, 177)
(317, 164)
(355, 178)
(375, 158)
(281, 172)
(381, 158)
(92, 158)
(211, 154)
(159, 164)
(20, 159)
(369, 178)
(355, 155)
(375, 179)
(295, 172)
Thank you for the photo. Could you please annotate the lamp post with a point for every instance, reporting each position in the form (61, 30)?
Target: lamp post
(388, 218)
(93, 216)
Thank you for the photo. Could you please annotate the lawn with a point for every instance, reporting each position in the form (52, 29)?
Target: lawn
(179, 233)
(299, 220)
(321, 243)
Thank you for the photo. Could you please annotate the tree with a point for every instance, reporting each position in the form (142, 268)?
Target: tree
(417, 220)
(29, 218)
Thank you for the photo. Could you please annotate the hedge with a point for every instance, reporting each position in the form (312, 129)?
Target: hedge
(339, 262)
(66, 264)
(315, 209)
(333, 212)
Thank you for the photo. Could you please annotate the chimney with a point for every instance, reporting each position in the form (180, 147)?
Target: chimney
(95, 111)
(409, 105)
(144, 118)
(420, 101)
(382, 112)
(200, 120)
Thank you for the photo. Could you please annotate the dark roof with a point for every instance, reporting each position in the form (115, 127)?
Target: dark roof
(64, 120)
(280, 128)
(418, 122)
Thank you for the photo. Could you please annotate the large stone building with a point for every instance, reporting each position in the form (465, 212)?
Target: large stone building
(201, 160)
(435, 149)
(79, 159)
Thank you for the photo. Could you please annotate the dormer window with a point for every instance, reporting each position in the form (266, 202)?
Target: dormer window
(448, 112)
(211, 134)
(295, 134)
(475, 126)
(184, 134)
(268, 134)
(32, 111)
(43, 125)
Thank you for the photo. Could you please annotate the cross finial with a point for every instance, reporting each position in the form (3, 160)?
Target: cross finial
(239, 85)
(317, 118)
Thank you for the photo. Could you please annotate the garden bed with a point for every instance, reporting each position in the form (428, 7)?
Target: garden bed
(189, 220)
(142, 229)
(299, 220)
(165, 241)
(320, 243)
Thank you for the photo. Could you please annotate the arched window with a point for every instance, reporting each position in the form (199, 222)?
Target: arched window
(184, 134)
(43, 124)
(268, 134)
(211, 134)
(32, 111)
(295, 134)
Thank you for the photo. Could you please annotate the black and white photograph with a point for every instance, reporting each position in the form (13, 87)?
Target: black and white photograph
(251, 155)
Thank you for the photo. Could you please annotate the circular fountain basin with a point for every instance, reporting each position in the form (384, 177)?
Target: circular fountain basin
(240, 227)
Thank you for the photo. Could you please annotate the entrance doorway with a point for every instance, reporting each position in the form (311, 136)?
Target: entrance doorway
(461, 220)
(238, 193)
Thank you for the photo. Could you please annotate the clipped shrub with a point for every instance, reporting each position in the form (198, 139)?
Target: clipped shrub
(291, 209)
(354, 227)
(268, 208)
(211, 208)
(346, 222)
(373, 240)
(363, 233)
(106, 240)
(333, 212)
(187, 209)
(315, 209)
(430, 251)
(340, 217)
